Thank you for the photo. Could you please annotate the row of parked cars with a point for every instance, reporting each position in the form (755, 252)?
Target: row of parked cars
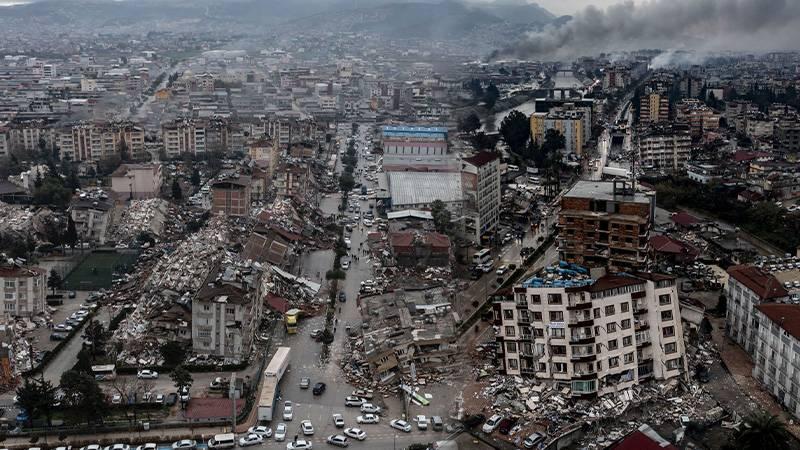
(504, 426)
(75, 320)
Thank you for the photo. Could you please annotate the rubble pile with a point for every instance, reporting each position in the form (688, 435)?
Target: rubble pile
(298, 292)
(15, 218)
(141, 216)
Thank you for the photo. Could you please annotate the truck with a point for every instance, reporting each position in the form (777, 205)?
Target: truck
(291, 317)
(272, 377)
(616, 172)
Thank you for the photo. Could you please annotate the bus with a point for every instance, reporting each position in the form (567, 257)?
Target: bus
(291, 317)
(104, 372)
(482, 256)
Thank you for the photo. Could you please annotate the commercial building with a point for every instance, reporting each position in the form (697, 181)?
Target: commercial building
(406, 140)
(654, 108)
(568, 122)
(92, 218)
(748, 287)
(594, 337)
(418, 190)
(137, 181)
(665, 148)
(777, 352)
(480, 180)
(24, 289)
(230, 196)
(605, 224)
(226, 311)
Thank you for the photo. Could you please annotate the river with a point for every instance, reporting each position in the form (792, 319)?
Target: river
(526, 108)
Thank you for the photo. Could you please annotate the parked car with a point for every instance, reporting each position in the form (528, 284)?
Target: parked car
(316, 334)
(319, 388)
(355, 433)
(492, 423)
(250, 439)
(533, 440)
(288, 411)
(147, 374)
(338, 420)
(307, 428)
(370, 408)
(300, 444)
(368, 418)
(305, 383)
(507, 424)
(353, 401)
(280, 432)
(422, 422)
(502, 270)
(118, 447)
(147, 446)
(261, 430)
(217, 383)
(58, 336)
(402, 425)
(184, 444)
(337, 440)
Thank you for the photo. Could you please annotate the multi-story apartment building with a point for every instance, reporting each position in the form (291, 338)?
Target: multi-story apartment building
(654, 108)
(98, 141)
(594, 337)
(748, 287)
(605, 224)
(787, 134)
(137, 181)
(665, 148)
(92, 218)
(292, 179)
(183, 136)
(5, 147)
(777, 352)
(226, 312)
(568, 122)
(697, 115)
(24, 290)
(230, 196)
(545, 105)
(480, 180)
(406, 140)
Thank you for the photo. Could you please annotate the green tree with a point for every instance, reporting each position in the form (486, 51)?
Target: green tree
(173, 353)
(177, 193)
(491, 96)
(54, 281)
(442, 219)
(515, 130)
(470, 123)
(97, 335)
(181, 377)
(346, 182)
(83, 397)
(71, 236)
(482, 141)
(762, 431)
(195, 178)
(476, 88)
(28, 398)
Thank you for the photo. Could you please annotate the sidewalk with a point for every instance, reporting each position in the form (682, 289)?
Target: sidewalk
(740, 366)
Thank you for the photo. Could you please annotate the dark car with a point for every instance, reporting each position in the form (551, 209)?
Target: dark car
(171, 399)
(342, 296)
(507, 424)
(58, 336)
(319, 388)
(474, 420)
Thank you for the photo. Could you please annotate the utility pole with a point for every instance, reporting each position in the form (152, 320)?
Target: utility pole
(232, 394)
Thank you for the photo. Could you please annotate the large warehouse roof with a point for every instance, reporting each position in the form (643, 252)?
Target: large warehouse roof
(415, 188)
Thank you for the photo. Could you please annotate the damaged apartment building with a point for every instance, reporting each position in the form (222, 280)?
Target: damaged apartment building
(409, 333)
(592, 336)
(226, 311)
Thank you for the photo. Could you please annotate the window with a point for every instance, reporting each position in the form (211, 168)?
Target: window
(669, 331)
(556, 316)
(627, 341)
(625, 324)
(230, 310)
(9, 296)
(670, 347)
(536, 299)
(508, 314)
(537, 316)
(673, 364)
(553, 299)
(613, 344)
(613, 362)
(611, 327)
(610, 310)
(538, 332)
(21, 284)
(596, 312)
(511, 347)
(558, 350)
(560, 367)
(666, 315)
(513, 364)
(206, 307)
(9, 307)
(557, 333)
(511, 331)
(664, 299)
(599, 365)
(542, 367)
(628, 358)
(10, 284)
(624, 307)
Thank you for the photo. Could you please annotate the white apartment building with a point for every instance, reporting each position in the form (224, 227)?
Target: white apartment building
(670, 151)
(24, 290)
(93, 219)
(777, 352)
(183, 136)
(748, 287)
(98, 141)
(137, 181)
(480, 180)
(592, 336)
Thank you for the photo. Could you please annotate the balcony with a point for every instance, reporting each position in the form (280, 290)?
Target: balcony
(521, 304)
(583, 356)
(528, 371)
(581, 321)
(641, 325)
(585, 374)
(581, 338)
(643, 343)
(524, 320)
(579, 303)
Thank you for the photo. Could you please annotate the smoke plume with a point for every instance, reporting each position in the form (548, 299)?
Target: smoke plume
(708, 25)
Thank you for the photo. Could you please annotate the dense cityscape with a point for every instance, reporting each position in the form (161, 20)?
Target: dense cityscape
(399, 225)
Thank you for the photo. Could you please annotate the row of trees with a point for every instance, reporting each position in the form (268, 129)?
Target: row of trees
(488, 96)
(515, 131)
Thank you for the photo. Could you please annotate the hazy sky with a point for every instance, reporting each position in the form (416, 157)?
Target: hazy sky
(562, 7)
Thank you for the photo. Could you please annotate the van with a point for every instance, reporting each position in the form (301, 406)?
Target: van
(437, 423)
(227, 440)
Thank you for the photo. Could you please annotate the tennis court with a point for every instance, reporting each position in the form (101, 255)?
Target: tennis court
(97, 270)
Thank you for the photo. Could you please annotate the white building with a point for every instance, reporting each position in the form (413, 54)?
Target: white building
(181, 137)
(137, 181)
(93, 219)
(777, 352)
(24, 290)
(480, 179)
(748, 287)
(592, 336)
(665, 150)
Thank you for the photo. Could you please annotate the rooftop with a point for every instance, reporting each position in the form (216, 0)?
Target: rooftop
(481, 158)
(785, 315)
(763, 284)
(604, 190)
(420, 188)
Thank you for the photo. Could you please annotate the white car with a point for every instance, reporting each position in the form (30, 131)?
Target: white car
(346, 264)
(353, 401)
(502, 270)
(184, 444)
(299, 444)
(250, 439)
(92, 447)
(288, 411)
(307, 427)
(492, 423)
(280, 432)
(260, 430)
(402, 425)
(147, 374)
(422, 422)
(118, 447)
(347, 243)
(370, 408)
(338, 420)
(116, 399)
(368, 418)
(337, 440)
(148, 446)
(355, 433)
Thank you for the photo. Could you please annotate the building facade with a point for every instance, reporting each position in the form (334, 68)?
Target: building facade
(137, 181)
(665, 149)
(406, 140)
(594, 337)
(480, 179)
(654, 108)
(93, 219)
(183, 136)
(231, 196)
(748, 287)
(568, 122)
(777, 352)
(24, 290)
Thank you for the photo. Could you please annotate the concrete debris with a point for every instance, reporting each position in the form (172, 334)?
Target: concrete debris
(140, 216)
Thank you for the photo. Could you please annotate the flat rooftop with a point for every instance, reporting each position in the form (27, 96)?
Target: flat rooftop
(419, 188)
(604, 190)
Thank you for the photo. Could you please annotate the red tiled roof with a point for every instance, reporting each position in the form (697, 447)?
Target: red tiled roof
(684, 219)
(481, 158)
(762, 283)
(666, 244)
(437, 240)
(743, 155)
(401, 239)
(277, 303)
(786, 316)
(612, 282)
(639, 441)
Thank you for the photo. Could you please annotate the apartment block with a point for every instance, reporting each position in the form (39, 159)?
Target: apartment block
(230, 196)
(654, 108)
(777, 352)
(183, 136)
(666, 148)
(568, 122)
(137, 181)
(594, 337)
(480, 180)
(605, 224)
(748, 287)
(92, 218)
(24, 290)
(98, 141)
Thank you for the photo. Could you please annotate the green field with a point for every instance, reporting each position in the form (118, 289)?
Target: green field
(97, 269)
